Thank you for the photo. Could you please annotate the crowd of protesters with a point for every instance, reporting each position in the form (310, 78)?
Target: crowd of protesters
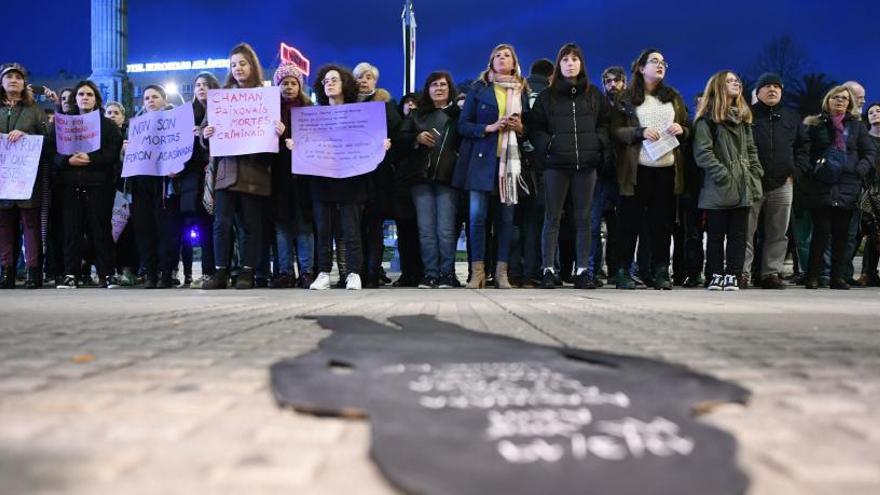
(554, 180)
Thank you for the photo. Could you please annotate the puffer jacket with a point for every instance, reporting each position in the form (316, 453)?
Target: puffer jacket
(727, 152)
(569, 126)
(860, 156)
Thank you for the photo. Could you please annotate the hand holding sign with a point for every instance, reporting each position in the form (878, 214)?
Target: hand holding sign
(159, 143)
(78, 133)
(19, 162)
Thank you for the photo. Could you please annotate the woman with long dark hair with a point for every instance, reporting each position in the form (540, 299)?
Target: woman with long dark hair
(429, 131)
(192, 185)
(725, 148)
(569, 129)
(648, 111)
(87, 182)
(841, 154)
(489, 165)
(242, 183)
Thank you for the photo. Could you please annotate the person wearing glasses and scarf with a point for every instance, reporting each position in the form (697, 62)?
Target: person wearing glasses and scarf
(491, 127)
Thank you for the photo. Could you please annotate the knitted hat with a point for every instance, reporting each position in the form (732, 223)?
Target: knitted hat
(287, 69)
(13, 68)
(768, 78)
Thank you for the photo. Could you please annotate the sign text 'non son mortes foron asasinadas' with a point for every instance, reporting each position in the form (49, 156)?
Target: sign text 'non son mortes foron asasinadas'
(159, 143)
(244, 120)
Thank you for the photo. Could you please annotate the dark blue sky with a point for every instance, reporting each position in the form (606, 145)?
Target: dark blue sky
(697, 37)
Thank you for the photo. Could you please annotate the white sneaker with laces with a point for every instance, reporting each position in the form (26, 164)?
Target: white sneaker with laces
(322, 282)
(731, 283)
(717, 283)
(353, 281)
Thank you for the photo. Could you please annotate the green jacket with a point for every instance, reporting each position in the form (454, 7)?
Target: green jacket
(728, 154)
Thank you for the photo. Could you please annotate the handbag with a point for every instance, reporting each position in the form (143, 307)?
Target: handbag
(121, 214)
(208, 191)
(828, 169)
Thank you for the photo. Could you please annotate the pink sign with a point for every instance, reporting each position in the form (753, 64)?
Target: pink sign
(159, 143)
(338, 141)
(244, 120)
(19, 163)
(78, 133)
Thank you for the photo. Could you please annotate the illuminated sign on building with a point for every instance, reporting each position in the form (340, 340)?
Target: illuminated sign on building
(294, 56)
(211, 63)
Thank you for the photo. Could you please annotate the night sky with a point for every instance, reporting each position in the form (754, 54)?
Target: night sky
(697, 37)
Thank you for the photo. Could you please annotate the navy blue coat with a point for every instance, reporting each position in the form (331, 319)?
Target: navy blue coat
(477, 166)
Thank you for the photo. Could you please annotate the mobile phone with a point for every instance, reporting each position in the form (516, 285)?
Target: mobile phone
(435, 131)
(39, 90)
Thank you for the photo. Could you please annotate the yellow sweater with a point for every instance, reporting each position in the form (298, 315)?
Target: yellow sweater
(501, 98)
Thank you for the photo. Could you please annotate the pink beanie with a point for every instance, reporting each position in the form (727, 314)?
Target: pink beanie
(287, 69)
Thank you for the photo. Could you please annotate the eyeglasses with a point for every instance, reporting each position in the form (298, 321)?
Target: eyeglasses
(330, 80)
(840, 98)
(658, 62)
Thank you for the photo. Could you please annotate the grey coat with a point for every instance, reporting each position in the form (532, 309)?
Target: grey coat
(728, 154)
(29, 119)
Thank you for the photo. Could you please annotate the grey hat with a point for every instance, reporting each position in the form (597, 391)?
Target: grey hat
(6, 69)
(769, 78)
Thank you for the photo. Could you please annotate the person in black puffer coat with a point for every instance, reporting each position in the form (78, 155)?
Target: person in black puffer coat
(569, 125)
(841, 154)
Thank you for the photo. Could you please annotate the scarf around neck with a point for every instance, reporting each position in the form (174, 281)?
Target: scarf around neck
(839, 132)
(510, 165)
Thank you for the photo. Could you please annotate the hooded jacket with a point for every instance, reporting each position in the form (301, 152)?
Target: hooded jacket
(727, 152)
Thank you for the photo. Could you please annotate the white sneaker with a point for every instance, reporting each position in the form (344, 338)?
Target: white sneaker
(322, 282)
(353, 281)
(731, 283)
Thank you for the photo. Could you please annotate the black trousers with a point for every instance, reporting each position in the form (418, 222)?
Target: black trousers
(86, 210)
(688, 255)
(829, 222)
(731, 225)
(654, 203)
(350, 220)
(204, 225)
(579, 186)
(157, 225)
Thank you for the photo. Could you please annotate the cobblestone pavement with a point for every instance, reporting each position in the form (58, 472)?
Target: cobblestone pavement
(132, 391)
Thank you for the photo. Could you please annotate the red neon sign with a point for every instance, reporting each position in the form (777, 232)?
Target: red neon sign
(292, 55)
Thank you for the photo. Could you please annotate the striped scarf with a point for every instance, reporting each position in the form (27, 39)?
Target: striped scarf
(510, 165)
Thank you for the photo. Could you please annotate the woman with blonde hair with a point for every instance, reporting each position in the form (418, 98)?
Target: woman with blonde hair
(489, 167)
(725, 148)
(841, 154)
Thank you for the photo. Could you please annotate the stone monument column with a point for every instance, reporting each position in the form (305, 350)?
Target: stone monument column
(110, 49)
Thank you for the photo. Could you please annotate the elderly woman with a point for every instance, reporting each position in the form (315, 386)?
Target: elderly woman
(841, 154)
(489, 166)
(22, 117)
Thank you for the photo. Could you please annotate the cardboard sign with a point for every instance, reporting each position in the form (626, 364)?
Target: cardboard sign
(159, 143)
(19, 164)
(78, 133)
(338, 141)
(244, 120)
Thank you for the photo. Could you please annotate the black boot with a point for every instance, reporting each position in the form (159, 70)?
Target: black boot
(245, 279)
(33, 279)
(8, 278)
(220, 280)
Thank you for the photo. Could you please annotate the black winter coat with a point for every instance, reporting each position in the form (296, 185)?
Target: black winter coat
(782, 143)
(192, 177)
(100, 171)
(422, 164)
(860, 156)
(569, 126)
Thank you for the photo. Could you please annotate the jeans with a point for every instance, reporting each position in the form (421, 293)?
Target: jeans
(731, 225)
(502, 223)
(834, 223)
(558, 184)
(605, 192)
(688, 239)
(653, 206)
(775, 206)
(435, 213)
(296, 236)
(349, 215)
(248, 209)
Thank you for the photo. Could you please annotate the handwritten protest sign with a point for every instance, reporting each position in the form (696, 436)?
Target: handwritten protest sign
(338, 141)
(244, 120)
(19, 162)
(78, 133)
(159, 143)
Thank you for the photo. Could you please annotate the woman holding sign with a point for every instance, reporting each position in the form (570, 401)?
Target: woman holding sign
(242, 184)
(20, 116)
(335, 85)
(649, 114)
(87, 180)
(489, 167)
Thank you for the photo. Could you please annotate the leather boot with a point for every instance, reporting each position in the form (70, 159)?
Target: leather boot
(220, 280)
(33, 279)
(245, 279)
(478, 276)
(501, 280)
(8, 278)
